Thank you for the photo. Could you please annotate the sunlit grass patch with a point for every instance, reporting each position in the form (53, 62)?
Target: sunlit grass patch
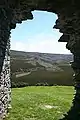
(40, 103)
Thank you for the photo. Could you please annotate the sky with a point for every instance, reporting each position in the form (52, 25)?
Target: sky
(38, 35)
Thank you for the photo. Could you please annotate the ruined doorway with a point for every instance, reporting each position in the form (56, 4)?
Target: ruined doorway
(44, 106)
(68, 12)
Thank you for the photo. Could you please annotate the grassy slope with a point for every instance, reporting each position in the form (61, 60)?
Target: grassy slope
(20, 59)
(28, 103)
(60, 78)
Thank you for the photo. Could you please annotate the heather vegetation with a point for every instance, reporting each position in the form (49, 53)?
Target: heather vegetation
(40, 69)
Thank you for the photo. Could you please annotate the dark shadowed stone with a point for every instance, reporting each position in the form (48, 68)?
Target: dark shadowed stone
(68, 23)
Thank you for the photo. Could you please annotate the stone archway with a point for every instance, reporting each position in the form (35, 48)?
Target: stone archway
(12, 12)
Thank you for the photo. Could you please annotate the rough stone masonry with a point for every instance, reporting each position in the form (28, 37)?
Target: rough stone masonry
(68, 22)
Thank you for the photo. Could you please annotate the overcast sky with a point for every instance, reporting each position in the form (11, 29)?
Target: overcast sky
(38, 35)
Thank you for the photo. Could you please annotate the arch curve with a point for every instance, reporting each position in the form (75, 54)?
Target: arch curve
(68, 22)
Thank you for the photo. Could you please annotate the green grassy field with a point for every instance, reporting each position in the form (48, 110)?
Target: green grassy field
(43, 76)
(40, 103)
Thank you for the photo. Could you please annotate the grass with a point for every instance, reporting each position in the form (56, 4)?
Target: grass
(43, 76)
(40, 103)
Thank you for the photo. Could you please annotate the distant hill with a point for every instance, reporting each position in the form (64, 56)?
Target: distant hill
(26, 65)
(45, 56)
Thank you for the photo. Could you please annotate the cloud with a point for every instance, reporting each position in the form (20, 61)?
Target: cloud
(40, 43)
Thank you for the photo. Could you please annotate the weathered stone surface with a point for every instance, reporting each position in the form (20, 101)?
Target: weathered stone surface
(68, 22)
(5, 86)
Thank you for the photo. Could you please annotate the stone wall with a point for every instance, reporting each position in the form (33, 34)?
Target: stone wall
(5, 85)
(4, 62)
(68, 22)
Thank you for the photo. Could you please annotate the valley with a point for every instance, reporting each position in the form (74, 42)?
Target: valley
(32, 68)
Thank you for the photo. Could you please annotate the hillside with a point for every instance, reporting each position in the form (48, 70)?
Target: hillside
(35, 68)
(45, 56)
